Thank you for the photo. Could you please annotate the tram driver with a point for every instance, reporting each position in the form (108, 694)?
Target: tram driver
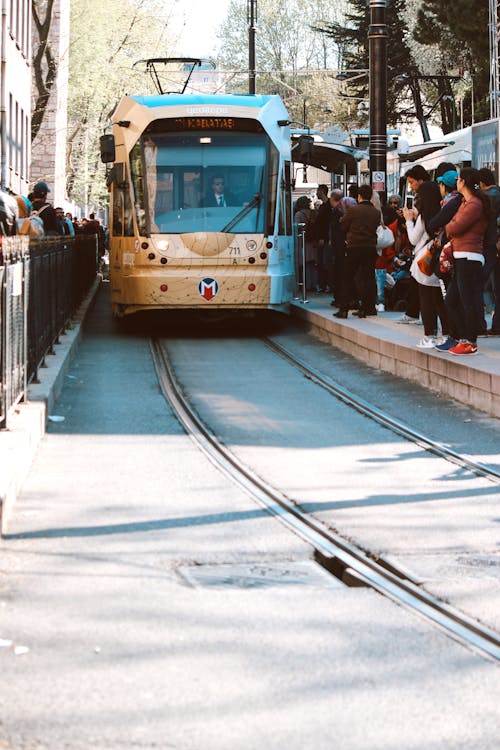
(218, 195)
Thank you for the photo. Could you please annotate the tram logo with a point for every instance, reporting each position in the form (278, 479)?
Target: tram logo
(208, 288)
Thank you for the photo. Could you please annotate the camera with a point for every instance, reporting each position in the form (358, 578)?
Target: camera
(409, 201)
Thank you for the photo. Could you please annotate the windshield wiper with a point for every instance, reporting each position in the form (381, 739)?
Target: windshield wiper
(244, 212)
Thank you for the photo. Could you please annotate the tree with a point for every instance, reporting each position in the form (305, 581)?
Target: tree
(351, 37)
(106, 39)
(461, 27)
(288, 49)
(44, 64)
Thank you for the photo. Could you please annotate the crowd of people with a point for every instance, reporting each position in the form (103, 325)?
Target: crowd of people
(441, 263)
(35, 216)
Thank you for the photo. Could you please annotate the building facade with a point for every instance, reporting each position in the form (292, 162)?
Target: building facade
(48, 150)
(15, 96)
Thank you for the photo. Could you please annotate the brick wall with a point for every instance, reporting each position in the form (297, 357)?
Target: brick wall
(48, 150)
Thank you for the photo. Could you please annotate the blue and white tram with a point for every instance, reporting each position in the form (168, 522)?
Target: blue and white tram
(171, 245)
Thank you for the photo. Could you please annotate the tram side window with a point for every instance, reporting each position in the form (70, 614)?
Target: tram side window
(136, 169)
(288, 199)
(123, 223)
(273, 188)
(285, 210)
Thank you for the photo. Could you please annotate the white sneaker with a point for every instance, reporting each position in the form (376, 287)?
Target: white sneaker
(380, 307)
(406, 319)
(428, 342)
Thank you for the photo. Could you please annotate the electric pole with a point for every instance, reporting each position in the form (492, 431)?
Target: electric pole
(377, 38)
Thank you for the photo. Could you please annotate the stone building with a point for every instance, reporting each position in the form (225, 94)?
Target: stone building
(15, 95)
(48, 150)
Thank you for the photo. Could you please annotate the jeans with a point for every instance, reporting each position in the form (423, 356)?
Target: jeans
(380, 274)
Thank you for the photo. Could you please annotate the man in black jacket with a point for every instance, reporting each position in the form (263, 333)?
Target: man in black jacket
(360, 224)
(45, 210)
(218, 195)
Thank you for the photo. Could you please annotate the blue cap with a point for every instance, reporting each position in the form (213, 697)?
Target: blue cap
(449, 178)
(41, 188)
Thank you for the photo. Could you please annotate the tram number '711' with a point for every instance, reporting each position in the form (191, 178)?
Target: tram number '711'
(234, 251)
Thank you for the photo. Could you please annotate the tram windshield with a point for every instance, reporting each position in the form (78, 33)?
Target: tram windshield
(204, 182)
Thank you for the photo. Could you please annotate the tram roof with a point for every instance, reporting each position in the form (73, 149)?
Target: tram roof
(200, 100)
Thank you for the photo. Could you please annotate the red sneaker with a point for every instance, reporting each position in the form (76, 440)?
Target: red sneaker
(464, 347)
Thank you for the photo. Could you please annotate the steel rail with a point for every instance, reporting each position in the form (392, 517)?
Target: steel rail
(382, 418)
(332, 548)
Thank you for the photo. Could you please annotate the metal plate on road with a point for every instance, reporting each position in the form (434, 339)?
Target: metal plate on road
(259, 575)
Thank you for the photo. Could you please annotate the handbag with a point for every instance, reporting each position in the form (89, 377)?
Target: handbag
(427, 262)
(446, 259)
(385, 238)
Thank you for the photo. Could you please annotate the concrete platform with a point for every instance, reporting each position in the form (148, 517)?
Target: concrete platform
(381, 342)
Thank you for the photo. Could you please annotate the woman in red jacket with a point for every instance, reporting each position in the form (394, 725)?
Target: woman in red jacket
(466, 232)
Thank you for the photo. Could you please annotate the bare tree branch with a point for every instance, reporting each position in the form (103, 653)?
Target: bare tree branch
(44, 65)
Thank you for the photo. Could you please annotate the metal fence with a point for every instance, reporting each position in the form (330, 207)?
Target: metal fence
(42, 283)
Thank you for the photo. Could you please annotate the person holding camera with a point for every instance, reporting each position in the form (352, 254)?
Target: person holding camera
(428, 204)
(415, 177)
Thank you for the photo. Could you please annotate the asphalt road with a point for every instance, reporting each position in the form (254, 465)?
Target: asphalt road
(161, 608)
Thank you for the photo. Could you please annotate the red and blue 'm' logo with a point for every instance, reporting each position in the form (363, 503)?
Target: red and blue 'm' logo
(208, 288)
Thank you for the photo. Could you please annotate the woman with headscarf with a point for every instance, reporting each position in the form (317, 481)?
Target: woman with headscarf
(304, 214)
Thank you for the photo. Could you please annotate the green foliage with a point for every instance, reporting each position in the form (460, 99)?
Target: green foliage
(106, 39)
(351, 35)
(291, 54)
(459, 29)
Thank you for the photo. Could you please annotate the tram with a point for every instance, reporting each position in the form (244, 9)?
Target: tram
(172, 246)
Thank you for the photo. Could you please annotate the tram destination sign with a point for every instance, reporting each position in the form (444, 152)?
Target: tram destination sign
(207, 123)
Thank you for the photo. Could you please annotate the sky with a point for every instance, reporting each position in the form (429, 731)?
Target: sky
(197, 21)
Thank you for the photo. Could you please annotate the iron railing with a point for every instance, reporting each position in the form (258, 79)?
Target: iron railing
(42, 283)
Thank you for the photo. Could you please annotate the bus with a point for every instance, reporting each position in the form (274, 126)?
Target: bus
(172, 246)
(477, 145)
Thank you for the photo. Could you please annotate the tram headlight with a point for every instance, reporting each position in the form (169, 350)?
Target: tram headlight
(162, 245)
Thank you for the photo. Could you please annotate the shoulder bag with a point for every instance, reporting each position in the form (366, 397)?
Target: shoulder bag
(385, 238)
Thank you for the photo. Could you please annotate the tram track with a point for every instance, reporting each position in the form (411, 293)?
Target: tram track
(351, 564)
(382, 418)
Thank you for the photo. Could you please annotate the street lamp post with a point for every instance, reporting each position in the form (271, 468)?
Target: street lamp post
(377, 38)
(252, 25)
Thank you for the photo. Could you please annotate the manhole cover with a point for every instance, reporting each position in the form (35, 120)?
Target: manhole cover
(259, 575)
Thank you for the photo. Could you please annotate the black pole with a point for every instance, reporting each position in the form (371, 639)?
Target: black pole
(377, 37)
(252, 26)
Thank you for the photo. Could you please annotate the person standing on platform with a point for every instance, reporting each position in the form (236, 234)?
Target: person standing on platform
(415, 177)
(338, 244)
(322, 231)
(428, 204)
(466, 233)
(304, 214)
(491, 269)
(360, 224)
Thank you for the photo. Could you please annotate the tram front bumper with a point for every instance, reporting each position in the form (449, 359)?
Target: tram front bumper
(207, 288)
